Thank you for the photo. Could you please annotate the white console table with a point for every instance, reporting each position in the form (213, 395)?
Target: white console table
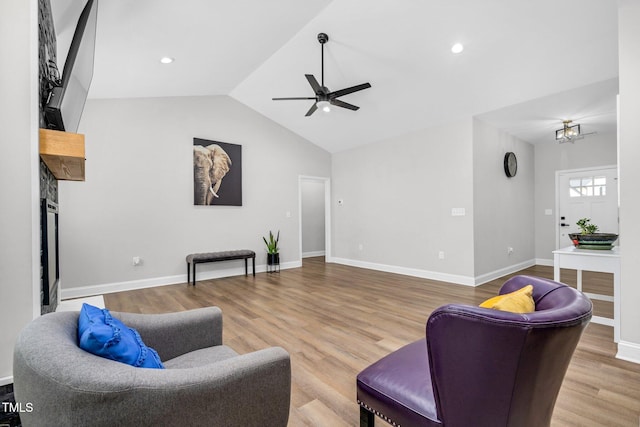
(606, 261)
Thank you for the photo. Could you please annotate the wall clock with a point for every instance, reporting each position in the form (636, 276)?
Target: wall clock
(510, 164)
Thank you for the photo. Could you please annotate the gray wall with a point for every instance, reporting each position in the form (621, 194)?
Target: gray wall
(19, 172)
(629, 125)
(503, 207)
(138, 196)
(398, 195)
(313, 231)
(592, 151)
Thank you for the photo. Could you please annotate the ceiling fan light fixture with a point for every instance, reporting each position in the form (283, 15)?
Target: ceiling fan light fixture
(324, 106)
(324, 98)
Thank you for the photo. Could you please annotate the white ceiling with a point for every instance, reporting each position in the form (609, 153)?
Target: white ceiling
(527, 65)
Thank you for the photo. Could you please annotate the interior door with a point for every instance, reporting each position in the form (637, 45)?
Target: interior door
(591, 193)
(314, 197)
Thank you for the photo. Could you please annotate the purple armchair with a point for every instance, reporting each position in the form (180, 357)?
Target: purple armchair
(480, 367)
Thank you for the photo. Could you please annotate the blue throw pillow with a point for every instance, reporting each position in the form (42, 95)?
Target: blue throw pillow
(104, 335)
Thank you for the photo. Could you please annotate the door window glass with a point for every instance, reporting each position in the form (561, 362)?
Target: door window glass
(588, 186)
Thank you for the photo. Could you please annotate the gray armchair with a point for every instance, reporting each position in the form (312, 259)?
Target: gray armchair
(204, 383)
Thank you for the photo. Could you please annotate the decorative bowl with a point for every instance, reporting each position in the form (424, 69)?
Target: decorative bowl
(594, 240)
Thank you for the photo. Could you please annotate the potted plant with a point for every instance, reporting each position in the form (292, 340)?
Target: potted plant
(273, 256)
(586, 227)
(588, 238)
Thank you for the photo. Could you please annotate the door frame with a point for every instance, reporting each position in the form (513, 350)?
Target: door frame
(579, 170)
(327, 214)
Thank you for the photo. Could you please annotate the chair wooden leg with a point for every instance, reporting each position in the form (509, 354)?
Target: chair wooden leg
(367, 419)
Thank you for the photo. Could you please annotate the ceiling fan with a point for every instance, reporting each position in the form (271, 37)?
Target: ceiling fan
(325, 98)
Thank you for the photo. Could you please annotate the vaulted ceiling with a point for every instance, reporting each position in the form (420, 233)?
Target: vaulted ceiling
(526, 65)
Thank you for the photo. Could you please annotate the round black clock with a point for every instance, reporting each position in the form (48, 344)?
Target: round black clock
(510, 164)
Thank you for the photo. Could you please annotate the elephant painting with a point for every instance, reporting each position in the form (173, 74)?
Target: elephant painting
(210, 165)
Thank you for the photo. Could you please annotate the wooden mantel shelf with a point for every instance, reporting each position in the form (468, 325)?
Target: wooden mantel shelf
(63, 153)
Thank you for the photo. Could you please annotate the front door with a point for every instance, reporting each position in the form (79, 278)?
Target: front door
(587, 193)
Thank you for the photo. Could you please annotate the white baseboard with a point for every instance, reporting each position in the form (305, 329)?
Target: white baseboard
(435, 275)
(628, 351)
(108, 288)
(6, 380)
(496, 274)
(76, 303)
(424, 274)
(544, 261)
(312, 254)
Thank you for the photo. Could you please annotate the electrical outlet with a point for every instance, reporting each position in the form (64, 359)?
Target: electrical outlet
(137, 261)
(360, 247)
(509, 250)
(441, 255)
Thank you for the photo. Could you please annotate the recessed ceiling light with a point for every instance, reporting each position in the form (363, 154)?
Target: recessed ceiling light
(457, 48)
(166, 60)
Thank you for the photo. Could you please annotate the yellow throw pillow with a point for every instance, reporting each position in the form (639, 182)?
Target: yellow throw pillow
(520, 301)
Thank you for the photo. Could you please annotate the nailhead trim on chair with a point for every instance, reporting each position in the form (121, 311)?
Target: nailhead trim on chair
(384, 417)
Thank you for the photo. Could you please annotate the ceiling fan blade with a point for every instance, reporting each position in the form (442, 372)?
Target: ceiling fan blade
(343, 104)
(313, 108)
(289, 99)
(342, 92)
(317, 89)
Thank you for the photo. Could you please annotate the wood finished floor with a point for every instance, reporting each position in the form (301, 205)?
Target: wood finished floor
(335, 320)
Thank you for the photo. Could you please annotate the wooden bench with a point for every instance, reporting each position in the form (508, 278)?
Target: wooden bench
(193, 259)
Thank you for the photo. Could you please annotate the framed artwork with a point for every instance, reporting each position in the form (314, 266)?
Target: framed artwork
(217, 173)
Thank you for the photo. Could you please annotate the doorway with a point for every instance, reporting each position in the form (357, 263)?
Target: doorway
(586, 193)
(314, 196)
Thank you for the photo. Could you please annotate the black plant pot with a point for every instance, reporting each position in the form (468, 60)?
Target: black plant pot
(273, 263)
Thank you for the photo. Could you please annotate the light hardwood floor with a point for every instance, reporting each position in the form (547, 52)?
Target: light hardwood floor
(335, 320)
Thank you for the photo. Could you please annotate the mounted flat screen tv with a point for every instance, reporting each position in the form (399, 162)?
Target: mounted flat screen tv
(66, 102)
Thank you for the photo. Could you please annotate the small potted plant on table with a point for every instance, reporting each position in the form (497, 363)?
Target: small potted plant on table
(273, 256)
(588, 238)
